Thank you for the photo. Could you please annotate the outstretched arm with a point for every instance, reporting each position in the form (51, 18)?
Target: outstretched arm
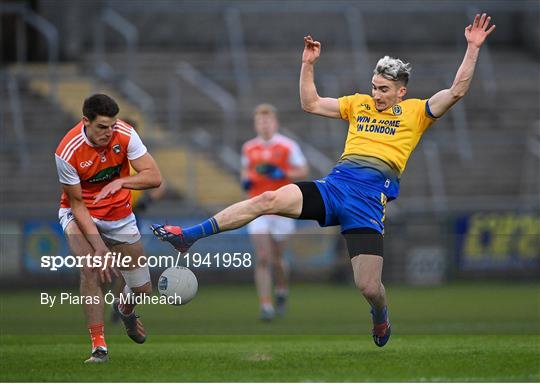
(475, 34)
(309, 98)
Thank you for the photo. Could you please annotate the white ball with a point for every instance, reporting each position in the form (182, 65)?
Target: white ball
(179, 284)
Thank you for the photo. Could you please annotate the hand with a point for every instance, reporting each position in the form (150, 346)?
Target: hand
(312, 50)
(477, 33)
(109, 189)
(247, 184)
(143, 203)
(106, 268)
(270, 171)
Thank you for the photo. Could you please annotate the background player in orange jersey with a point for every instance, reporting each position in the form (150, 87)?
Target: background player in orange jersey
(269, 162)
(93, 161)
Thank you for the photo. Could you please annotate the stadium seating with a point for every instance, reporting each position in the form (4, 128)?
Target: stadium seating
(501, 112)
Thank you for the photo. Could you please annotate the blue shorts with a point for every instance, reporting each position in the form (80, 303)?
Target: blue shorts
(355, 196)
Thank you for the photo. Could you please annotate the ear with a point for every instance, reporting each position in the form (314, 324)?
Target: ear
(86, 121)
(402, 91)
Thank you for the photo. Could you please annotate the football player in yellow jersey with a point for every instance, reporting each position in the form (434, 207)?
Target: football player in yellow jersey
(384, 129)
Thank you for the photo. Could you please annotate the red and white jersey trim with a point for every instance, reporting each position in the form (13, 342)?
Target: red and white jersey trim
(123, 128)
(71, 147)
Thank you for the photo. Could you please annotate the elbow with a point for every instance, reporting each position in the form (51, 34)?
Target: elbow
(76, 202)
(305, 106)
(457, 93)
(157, 180)
(309, 107)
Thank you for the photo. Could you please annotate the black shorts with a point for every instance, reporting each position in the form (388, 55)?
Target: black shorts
(360, 241)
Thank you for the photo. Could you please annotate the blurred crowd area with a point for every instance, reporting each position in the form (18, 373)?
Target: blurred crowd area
(189, 73)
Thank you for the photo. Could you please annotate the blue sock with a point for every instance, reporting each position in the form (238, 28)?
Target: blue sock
(206, 228)
(379, 315)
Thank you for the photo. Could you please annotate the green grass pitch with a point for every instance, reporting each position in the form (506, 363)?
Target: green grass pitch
(458, 332)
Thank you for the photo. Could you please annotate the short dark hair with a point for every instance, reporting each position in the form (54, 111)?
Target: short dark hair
(99, 105)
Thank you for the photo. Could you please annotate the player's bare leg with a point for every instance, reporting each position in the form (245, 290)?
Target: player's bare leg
(117, 288)
(262, 243)
(137, 283)
(90, 285)
(367, 277)
(286, 201)
(281, 276)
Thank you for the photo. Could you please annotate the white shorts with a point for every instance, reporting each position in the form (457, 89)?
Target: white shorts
(277, 226)
(123, 231)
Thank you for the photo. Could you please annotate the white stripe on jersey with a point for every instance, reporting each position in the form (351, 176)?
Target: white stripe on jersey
(126, 127)
(122, 132)
(123, 123)
(72, 151)
(70, 143)
(73, 142)
(122, 128)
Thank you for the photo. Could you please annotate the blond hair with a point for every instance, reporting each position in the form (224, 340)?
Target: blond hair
(265, 109)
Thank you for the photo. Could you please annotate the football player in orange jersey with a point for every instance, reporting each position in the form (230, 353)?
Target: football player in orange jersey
(93, 161)
(269, 162)
(383, 130)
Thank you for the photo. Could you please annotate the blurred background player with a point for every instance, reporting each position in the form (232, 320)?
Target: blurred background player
(383, 131)
(93, 161)
(269, 162)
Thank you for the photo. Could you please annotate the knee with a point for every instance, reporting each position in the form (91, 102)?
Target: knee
(263, 261)
(266, 202)
(370, 288)
(278, 262)
(138, 279)
(144, 289)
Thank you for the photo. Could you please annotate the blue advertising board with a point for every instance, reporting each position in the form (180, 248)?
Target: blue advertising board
(498, 241)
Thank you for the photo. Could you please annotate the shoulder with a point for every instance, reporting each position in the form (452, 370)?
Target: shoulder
(357, 97)
(284, 140)
(70, 142)
(123, 128)
(418, 106)
(251, 143)
(413, 103)
(354, 103)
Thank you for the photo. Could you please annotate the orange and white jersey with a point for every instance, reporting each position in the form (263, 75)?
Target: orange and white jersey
(78, 161)
(279, 151)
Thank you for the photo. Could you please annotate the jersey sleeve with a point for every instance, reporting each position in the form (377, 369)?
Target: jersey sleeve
(425, 117)
(345, 103)
(296, 157)
(244, 161)
(135, 147)
(348, 104)
(67, 174)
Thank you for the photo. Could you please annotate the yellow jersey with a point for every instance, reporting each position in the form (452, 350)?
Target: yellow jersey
(390, 135)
